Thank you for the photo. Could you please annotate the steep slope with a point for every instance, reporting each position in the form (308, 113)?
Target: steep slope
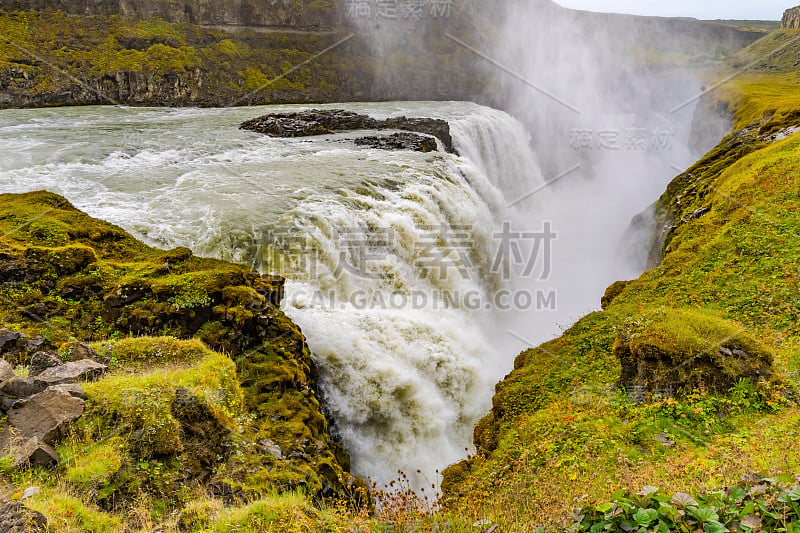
(686, 379)
(239, 422)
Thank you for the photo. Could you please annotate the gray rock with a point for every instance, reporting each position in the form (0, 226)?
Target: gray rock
(45, 382)
(73, 389)
(40, 344)
(30, 492)
(16, 518)
(21, 387)
(40, 455)
(84, 370)
(271, 448)
(663, 439)
(41, 361)
(11, 340)
(6, 370)
(78, 351)
(26, 451)
(325, 121)
(47, 415)
(399, 141)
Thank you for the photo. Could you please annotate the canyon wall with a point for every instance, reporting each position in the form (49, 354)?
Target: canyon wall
(791, 19)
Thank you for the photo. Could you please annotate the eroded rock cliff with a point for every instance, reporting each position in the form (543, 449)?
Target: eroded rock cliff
(791, 19)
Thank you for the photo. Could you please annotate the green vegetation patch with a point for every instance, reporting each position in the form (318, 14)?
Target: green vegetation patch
(688, 377)
(141, 405)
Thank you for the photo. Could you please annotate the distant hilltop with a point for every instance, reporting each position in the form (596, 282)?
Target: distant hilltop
(316, 15)
(791, 19)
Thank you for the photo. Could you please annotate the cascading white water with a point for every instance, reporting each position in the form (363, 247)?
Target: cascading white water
(405, 377)
(393, 277)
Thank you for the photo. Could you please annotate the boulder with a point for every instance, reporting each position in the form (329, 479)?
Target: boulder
(33, 452)
(47, 415)
(676, 351)
(18, 387)
(41, 361)
(11, 341)
(73, 389)
(78, 351)
(40, 455)
(16, 518)
(26, 451)
(83, 370)
(6, 370)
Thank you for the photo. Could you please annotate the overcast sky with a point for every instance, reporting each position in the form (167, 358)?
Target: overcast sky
(701, 9)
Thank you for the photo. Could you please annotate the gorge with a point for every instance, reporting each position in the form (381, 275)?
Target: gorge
(421, 281)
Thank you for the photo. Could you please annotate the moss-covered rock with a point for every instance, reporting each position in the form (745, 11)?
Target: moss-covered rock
(196, 412)
(687, 350)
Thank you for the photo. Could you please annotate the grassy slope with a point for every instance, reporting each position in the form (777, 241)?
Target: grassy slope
(544, 447)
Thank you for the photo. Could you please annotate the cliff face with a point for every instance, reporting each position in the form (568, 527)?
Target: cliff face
(791, 19)
(318, 15)
(246, 52)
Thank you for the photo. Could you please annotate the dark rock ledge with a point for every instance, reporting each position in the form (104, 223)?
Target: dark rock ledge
(323, 122)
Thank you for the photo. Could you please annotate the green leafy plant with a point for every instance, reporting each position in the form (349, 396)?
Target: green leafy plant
(767, 506)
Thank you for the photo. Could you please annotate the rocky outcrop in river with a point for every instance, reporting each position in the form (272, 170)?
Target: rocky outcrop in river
(322, 122)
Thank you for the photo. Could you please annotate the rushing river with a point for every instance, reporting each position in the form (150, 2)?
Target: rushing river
(416, 277)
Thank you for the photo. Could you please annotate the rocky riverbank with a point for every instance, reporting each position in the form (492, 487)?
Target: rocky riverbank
(118, 350)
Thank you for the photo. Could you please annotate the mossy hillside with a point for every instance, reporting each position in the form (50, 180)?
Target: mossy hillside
(67, 276)
(109, 482)
(764, 83)
(561, 432)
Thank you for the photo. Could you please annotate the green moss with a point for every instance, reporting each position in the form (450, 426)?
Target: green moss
(141, 404)
(188, 412)
(150, 351)
(288, 512)
(687, 350)
(68, 514)
(93, 465)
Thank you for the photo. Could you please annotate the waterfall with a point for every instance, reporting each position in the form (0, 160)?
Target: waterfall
(390, 256)
(407, 367)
